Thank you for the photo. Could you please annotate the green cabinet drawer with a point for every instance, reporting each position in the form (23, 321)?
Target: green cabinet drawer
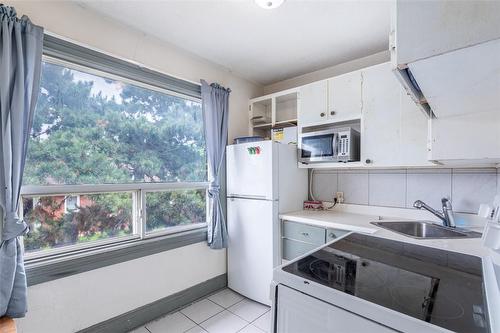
(303, 232)
(331, 233)
(293, 249)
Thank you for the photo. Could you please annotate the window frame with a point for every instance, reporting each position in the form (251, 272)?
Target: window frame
(66, 210)
(139, 212)
(83, 58)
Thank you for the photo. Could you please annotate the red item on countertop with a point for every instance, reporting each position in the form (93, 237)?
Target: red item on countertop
(313, 205)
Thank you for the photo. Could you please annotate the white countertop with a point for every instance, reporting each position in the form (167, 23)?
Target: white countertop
(341, 219)
(357, 218)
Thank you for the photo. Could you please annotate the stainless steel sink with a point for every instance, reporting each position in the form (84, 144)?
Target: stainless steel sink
(426, 230)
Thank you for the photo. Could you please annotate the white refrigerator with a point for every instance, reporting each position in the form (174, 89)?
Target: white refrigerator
(263, 181)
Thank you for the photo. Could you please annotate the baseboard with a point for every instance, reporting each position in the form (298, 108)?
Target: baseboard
(140, 316)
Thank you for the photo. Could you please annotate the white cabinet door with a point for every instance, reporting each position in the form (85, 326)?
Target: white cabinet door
(313, 104)
(394, 129)
(414, 133)
(381, 117)
(299, 313)
(463, 139)
(344, 97)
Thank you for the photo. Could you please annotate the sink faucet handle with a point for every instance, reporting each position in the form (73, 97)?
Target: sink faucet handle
(448, 212)
(446, 203)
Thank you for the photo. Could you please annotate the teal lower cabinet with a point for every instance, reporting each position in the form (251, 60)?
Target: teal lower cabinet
(331, 234)
(299, 238)
(293, 249)
(303, 232)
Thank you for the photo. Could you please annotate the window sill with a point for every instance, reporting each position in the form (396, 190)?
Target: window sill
(39, 270)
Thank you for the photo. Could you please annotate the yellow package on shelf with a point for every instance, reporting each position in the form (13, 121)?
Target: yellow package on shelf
(285, 135)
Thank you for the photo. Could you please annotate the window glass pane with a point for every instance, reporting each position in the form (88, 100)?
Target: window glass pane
(94, 217)
(175, 208)
(90, 129)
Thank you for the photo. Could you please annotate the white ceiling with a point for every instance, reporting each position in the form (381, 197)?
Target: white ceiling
(264, 46)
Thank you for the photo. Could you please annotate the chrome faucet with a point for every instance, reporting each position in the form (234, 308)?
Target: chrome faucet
(446, 216)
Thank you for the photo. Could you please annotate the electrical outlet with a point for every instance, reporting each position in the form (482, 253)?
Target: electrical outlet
(340, 197)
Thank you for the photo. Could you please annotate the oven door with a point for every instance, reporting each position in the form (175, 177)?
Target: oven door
(318, 146)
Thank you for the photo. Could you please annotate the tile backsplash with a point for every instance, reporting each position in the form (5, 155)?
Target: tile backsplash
(467, 188)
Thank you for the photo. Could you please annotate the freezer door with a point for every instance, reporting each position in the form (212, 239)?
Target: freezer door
(253, 228)
(250, 170)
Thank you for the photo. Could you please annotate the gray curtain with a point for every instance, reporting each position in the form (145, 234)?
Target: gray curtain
(20, 63)
(215, 102)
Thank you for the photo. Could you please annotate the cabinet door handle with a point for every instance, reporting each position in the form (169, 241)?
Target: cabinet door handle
(332, 113)
(368, 161)
(305, 234)
(332, 235)
(322, 114)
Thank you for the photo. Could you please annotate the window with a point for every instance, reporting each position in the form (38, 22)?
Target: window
(71, 203)
(111, 158)
(97, 216)
(174, 209)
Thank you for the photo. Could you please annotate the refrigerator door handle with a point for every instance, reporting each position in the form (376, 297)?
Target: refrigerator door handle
(254, 197)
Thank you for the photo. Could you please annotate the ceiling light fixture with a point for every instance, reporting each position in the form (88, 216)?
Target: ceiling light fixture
(269, 4)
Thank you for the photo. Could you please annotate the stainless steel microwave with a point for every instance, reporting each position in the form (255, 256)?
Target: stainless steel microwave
(329, 145)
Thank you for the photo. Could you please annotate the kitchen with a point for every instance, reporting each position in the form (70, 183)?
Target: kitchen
(340, 174)
(420, 131)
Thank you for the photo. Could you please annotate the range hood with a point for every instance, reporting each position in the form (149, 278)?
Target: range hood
(446, 54)
(456, 83)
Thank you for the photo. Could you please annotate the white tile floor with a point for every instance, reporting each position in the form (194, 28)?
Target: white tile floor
(222, 312)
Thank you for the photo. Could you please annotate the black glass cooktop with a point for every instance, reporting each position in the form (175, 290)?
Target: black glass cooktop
(441, 287)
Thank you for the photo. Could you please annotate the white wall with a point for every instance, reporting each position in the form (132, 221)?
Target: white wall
(326, 73)
(79, 301)
(73, 303)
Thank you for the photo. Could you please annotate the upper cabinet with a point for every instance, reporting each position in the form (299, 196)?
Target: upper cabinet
(273, 111)
(381, 117)
(392, 129)
(465, 139)
(344, 97)
(313, 103)
(394, 132)
(335, 100)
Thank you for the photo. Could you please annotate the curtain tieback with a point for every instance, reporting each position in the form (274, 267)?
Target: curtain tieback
(213, 189)
(13, 226)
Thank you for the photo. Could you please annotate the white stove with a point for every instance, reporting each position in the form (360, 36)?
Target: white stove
(362, 283)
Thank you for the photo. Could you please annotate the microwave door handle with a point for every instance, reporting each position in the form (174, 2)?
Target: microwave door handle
(335, 145)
